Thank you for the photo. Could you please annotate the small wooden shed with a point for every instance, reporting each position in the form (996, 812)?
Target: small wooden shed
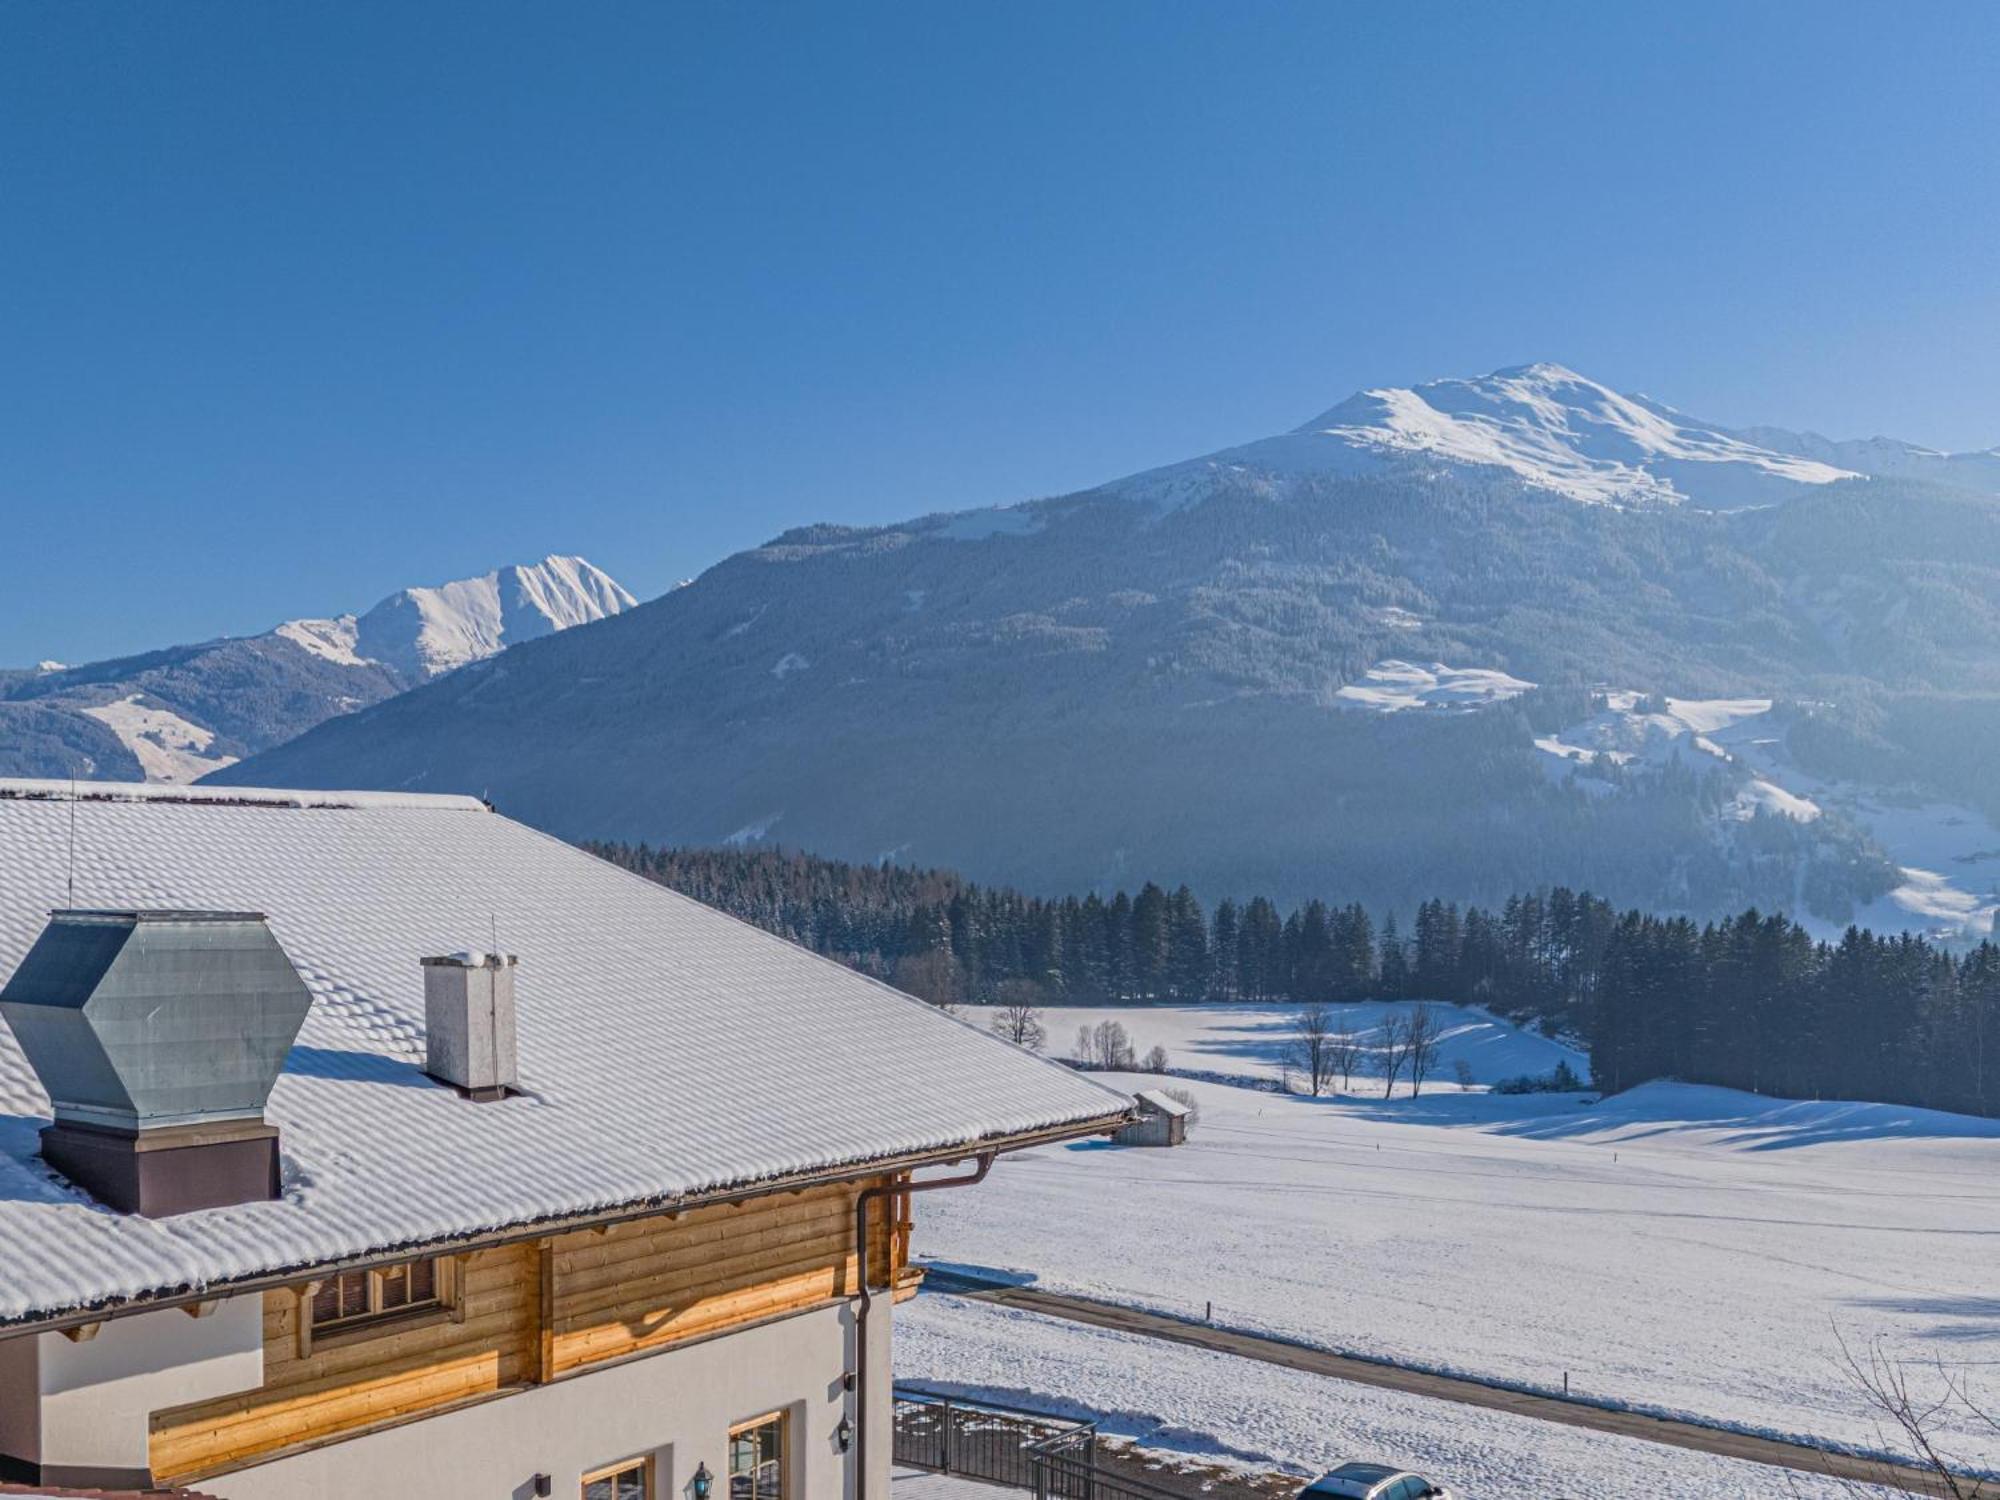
(1162, 1121)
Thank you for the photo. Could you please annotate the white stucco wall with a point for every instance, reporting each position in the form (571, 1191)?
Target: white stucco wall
(92, 1401)
(676, 1406)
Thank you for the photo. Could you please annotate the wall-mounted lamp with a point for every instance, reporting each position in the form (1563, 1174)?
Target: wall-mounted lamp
(543, 1486)
(703, 1482)
(843, 1435)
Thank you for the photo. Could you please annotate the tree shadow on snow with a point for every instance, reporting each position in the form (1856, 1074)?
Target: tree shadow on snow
(1782, 1125)
(1964, 1319)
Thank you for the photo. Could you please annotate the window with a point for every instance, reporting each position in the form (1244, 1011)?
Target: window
(627, 1481)
(354, 1296)
(757, 1459)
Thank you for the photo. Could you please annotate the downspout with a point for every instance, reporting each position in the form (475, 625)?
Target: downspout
(866, 1299)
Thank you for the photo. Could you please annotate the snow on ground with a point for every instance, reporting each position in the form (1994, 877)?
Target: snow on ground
(1949, 854)
(1391, 686)
(1684, 1250)
(1217, 1407)
(332, 640)
(994, 520)
(168, 747)
(1632, 727)
(1762, 796)
(1252, 1041)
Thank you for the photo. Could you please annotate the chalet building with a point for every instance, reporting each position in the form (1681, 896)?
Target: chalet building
(375, 1145)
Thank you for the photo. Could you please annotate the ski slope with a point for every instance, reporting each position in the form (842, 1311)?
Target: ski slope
(1685, 1250)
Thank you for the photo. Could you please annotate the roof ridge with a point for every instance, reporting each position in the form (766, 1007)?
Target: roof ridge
(26, 789)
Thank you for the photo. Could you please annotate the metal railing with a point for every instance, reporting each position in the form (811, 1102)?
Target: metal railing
(1061, 1476)
(1055, 1457)
(986, 1439)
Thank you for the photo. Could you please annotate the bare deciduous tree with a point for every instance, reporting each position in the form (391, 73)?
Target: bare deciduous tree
(932, 975)
(1156, 1059)
(1019, 1017)
(1106, 1045)
(1394, 1053)
(1346, 1054)
(1422, 1037)
(1913, 1401)
(1021, 1025)
(1311, 1050)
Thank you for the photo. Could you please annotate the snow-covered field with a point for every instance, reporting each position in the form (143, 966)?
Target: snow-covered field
(1392, 686)
(1679, 1249)
(1216, 1408)
(167, 747)
(1252, 1041)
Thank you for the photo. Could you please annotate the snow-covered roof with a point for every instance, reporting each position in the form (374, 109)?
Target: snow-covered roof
(665, 1049)
(1161, 1103)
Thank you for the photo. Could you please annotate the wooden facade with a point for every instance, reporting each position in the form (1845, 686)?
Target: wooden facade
(534, 1312)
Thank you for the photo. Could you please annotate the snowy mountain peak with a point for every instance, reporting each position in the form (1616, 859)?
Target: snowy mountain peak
(181, 714)
(422, 632)
(1562, 431)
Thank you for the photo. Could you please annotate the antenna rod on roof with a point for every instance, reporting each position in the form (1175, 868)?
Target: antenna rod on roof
(69, 900)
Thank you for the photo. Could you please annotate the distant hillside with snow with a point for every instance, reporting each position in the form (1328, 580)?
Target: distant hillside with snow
(1372, 658)
(178, 714)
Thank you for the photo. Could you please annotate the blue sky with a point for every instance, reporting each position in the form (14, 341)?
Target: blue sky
(301, 303)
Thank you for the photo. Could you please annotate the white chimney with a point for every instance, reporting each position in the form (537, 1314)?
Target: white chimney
(469, 1023)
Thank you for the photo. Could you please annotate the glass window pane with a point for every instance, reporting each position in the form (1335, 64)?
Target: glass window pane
(756, 1461)
(423, 1281)
(628, 1483)
(353, 1294)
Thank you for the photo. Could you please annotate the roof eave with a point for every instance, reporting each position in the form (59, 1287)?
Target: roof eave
(535, 1229)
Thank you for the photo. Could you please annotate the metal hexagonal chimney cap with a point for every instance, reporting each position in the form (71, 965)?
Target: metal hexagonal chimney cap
(141, 1020)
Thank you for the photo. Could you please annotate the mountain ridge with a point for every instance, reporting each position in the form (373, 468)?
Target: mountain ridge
(183, 711)
(1170, 672)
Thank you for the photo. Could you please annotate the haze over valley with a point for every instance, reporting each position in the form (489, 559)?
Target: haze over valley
(1360, 660)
